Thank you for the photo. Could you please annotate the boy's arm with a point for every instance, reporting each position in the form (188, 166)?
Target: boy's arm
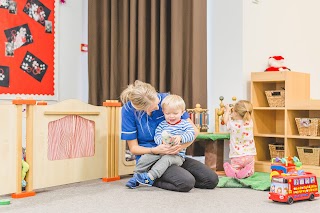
(196, 132)
(189, 134)
(195, 129)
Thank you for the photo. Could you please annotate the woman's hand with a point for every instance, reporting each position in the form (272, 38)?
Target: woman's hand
(166, 149)
(163, 149)
(176, 139)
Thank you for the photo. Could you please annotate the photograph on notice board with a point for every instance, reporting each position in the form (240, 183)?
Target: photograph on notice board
(4, 76)
(37, 11)
(4, 4)
(33, 66)
(12, 7)
(19, 36)
(9, 51)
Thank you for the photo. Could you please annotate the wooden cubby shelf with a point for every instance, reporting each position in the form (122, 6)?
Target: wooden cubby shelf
(277, 125)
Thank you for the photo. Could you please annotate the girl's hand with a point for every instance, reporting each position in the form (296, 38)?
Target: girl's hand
(227, 108)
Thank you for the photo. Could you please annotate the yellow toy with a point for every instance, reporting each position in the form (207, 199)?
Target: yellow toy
(25, 169)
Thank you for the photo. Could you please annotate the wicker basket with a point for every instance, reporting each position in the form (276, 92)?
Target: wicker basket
(308, 126)
(309, 155)
(276, 150)
(275, 98)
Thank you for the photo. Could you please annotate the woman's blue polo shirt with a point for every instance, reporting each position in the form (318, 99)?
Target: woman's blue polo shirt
(139, 125)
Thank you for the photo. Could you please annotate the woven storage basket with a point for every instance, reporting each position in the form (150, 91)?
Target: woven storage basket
(308, 126)
(275, 98)
(276, 150)
(309, 155)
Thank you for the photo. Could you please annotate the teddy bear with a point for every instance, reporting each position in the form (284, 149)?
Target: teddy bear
(166, 137)
(25, 168)
(276, 64)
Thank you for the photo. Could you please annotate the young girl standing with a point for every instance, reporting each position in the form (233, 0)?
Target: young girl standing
(242, 148)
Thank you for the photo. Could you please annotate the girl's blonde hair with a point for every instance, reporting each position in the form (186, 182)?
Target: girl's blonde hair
(173, 101)
(244, 109)
(141, 95)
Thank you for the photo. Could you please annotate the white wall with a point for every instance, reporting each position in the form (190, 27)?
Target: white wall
(73, 70)
(225, 46)
(243, 34)
(283, 27)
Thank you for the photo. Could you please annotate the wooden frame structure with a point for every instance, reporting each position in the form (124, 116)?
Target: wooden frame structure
(107, 162)
(9, 149)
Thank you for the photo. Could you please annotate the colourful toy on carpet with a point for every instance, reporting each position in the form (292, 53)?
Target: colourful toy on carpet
(4, 202)
(289, 183)
(286, 165)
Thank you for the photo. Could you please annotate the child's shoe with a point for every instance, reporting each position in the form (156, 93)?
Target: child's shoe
(144, 179)
(132, 183)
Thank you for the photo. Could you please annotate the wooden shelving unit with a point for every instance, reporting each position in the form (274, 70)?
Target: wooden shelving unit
(277, 124)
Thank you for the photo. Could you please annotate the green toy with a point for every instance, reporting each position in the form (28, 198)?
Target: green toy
(4, 202)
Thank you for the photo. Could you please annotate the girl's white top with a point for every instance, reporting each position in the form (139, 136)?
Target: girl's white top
(241, 138)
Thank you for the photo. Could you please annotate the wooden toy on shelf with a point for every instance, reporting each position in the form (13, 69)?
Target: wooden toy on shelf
(220, 111)
(199, 117)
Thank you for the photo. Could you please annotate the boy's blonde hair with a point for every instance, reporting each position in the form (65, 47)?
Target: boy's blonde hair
(244, 109)
(173, 101)
(141, 95)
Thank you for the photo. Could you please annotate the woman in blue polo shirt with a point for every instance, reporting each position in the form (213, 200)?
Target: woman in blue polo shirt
(141, 114)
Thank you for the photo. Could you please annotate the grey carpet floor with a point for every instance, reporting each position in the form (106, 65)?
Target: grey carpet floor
(96, 196)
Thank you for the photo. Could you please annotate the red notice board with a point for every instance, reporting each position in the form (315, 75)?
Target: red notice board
(27, 30)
